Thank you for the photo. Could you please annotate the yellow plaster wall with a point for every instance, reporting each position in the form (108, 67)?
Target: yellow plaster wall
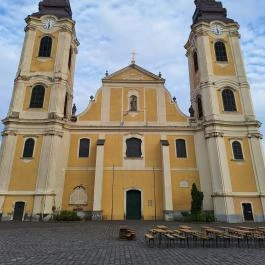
(153, 157)
(151, 105)
(190, 161)
(222, 68)
(25, 171)
(237, 98)
(171, 110)
(113, 154)
(256, 204)
(241, 172)
(182, 196)
(74, 179)
(44, 64)
(28, 97)
(10, 201)
(93, 113)
(116, 104)
(125, 180)
(74, 159)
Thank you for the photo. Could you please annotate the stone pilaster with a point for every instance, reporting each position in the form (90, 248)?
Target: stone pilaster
(48, 174)
(221, 183)
(257, 156)
(168, 202)
(97, 207)
(7, 153)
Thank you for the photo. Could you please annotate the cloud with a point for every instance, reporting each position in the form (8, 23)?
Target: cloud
(109, 30)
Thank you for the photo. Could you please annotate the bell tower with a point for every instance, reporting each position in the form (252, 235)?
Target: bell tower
(31, 165)
(44, 83)
(221, 99)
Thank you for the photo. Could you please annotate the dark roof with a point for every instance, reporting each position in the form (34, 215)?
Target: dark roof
(58, 8)
(209, 10)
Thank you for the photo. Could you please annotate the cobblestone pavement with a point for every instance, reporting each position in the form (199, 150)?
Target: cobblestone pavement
(96, 243)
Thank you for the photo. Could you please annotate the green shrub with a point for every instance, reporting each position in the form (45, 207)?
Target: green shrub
(199, 217)
(196, 200)
(185, 214)
(67, 216)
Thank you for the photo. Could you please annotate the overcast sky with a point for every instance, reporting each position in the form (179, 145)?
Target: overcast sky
(109, 30)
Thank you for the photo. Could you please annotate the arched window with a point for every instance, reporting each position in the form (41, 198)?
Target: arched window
(78, 196)
(133, 103)
(220, 52)
(45, 47)
(199, 107)
(195, 61)
(181, 148)
(228, 100)
(133, 147)
(70, 58)
(237, 150)
(37, 97)
(29, 148)
(84, 148)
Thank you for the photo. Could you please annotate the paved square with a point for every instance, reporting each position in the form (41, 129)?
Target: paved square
(96, 243)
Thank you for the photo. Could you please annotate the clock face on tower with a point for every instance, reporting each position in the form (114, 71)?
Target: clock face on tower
(48, 23)
(217, 29)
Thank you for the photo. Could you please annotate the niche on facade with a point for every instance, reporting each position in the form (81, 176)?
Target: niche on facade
(78, 196)
(133, 102)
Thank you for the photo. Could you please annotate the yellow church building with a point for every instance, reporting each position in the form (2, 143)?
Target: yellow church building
(132, 154)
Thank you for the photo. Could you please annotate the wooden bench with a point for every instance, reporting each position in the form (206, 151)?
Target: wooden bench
(126, 233)
(202, 237)
(150, 238)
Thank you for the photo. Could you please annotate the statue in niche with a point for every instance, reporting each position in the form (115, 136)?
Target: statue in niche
(191, 111)
(133, 103)
(74, 109)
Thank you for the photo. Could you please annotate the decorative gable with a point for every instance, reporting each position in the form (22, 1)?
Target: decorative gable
(133, 73)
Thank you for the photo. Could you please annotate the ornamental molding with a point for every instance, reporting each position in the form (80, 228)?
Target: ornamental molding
(255, 135)
(214, 135)
(9, 132)
(53, 133)
(239, 194)
(30, 27)
(22, 78)
(14, 115)
(234, 34)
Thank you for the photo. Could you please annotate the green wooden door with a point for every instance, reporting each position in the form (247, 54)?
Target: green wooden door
(19, 211)
(133, 205)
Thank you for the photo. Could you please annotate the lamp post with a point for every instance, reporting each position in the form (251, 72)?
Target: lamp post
(112, 192)
(154, 190)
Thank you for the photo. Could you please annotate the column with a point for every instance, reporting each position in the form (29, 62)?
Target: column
(97, 208)
(46, 186)
(259, 168)
(168, 203)
(221, 182)
(7, 153)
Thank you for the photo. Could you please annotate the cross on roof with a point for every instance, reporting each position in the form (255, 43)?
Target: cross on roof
(133, 53)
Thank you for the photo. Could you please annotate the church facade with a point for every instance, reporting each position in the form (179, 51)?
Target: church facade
(132, 154)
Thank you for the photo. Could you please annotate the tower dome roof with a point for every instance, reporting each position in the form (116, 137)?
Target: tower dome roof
(58, 8)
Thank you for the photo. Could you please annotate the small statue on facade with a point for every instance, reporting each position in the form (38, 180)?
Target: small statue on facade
(133, 103)
(74, 109)
(191, 111)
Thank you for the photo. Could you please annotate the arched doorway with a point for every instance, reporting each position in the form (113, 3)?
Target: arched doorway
(133, 205)
(19, 211)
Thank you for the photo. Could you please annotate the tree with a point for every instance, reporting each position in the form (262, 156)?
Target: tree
(196, 200)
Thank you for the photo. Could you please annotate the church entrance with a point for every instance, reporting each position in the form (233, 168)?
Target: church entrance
(133, 205)
(247, 211)
(19, 211)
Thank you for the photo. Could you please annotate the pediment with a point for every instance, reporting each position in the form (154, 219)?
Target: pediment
(133, 73)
